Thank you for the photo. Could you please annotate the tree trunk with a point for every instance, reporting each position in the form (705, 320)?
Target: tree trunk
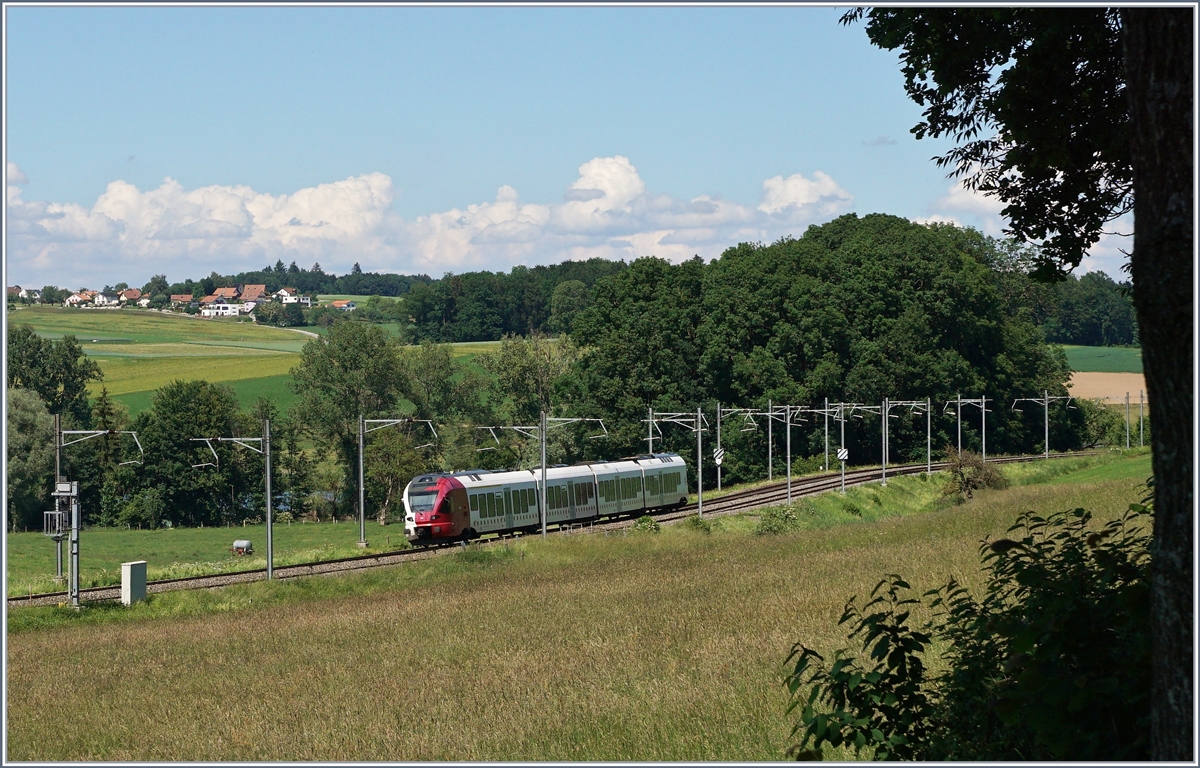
(1159, 77)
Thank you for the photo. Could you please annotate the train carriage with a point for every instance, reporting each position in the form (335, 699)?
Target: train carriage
(464, 505)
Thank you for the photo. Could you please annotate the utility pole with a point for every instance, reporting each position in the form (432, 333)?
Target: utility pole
(699, 460)
(362, 504)
(981, 403)
(694, 422)
(1141, 420)
(542, 491)
(545, 423)
(913, 406)
(66, 494)
(719, 446)
(266, 451)
(650, 430)
(1044, 401)
(363, 429)
(825, 411)
(770, 410)
(1127, 421)
(263, 448)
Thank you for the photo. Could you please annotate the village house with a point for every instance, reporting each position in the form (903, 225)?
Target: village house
(130, 294)
(219, 308)
(229, 294)
(80, 298)
(181, 299)
(14, 291)
(33, 294)
(292, 296)
(345, 305)
(252, 296)
(103, 299)
(144, 301)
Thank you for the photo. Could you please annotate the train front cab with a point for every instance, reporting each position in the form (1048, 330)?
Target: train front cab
(435, 510)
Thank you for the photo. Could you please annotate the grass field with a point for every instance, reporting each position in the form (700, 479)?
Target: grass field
(140, 351)
(631, 647)
(1104, 359)
(193, 551)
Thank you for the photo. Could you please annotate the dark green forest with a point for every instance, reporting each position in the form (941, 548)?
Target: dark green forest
(855, 310)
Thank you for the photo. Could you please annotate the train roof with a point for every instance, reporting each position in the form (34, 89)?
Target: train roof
(477, 477)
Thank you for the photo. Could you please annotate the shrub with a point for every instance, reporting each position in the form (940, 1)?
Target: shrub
(697, 523)
(646, 524)
(1053, 662)
(968, 473)
(777, 520)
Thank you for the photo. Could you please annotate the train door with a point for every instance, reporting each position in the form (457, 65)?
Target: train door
(570, 499)
(508, 508)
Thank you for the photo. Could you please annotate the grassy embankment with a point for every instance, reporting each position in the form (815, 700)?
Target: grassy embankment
(638, 647)
(179, 552)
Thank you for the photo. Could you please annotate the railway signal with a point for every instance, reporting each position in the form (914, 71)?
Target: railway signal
(842, 455)
(718, 457)
(66, 499)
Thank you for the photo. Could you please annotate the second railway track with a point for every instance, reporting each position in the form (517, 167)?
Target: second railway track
(726, 504)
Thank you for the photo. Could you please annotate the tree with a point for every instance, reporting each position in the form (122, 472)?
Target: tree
(526, 370)
(30, 451)
(58, 371)
(157, 285)
(269, 312)
(179, 412)
(391, 461)
(1085, 113)
(569, 299)
(352, 370)
(1092, 310)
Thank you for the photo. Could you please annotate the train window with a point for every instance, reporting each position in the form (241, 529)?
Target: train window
(491, 505)
(474, 502)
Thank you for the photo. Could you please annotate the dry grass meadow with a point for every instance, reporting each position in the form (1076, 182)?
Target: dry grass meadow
(662, 646)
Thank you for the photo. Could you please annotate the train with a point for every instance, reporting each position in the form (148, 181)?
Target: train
(460, 506)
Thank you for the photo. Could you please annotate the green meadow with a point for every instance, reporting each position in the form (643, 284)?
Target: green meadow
(1104, 359)
(140, 351)
(627, 647)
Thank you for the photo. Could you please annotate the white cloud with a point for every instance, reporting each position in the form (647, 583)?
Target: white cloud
(966, 208)
(129, 234)
(820, 196)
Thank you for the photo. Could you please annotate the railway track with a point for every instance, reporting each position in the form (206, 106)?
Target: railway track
(726, 504)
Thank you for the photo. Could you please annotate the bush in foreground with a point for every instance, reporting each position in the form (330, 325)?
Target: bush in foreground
(777, 520)
(1053, 662)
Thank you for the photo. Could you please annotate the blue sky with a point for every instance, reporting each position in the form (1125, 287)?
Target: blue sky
(182, 140)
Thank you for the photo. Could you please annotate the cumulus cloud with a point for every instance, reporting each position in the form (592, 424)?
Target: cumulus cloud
(129, 234)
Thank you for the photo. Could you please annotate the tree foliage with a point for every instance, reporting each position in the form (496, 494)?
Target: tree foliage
(1051, 662)
(351, 371)
(1035, 99)
(58, 371)
(30, 457)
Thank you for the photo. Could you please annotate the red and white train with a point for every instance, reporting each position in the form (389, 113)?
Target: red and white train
(461, 506)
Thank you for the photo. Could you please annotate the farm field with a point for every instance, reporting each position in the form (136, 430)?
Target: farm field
(140, 351)
(1104, 359)
(627, 647)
